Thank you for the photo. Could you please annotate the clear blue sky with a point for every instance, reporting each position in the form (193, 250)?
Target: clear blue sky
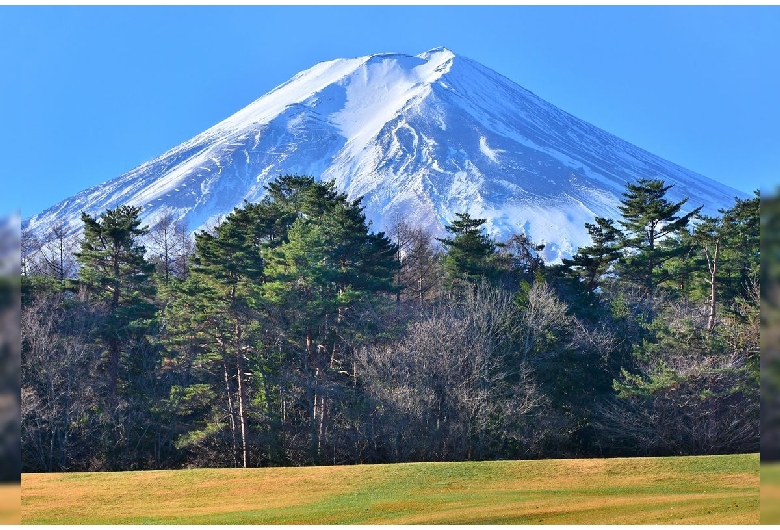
(88, 93)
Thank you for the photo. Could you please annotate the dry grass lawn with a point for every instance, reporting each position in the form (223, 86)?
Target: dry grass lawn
(691, 490)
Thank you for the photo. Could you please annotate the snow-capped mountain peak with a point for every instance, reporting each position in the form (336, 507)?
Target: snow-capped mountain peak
(419, 137)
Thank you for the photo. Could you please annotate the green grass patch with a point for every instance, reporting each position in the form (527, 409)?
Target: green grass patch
(695, 490)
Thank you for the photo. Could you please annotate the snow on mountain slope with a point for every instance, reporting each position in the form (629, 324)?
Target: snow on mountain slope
(420, 138)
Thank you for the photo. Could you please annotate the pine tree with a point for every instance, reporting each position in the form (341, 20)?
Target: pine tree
(742, 237)
(470, 252)
(327, 269)
(592, 262)
(728, 254)
(215, 322)
(114, 272)
(648, 220)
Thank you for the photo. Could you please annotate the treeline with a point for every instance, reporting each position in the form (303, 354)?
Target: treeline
(292, 334)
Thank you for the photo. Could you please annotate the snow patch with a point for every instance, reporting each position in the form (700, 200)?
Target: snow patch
(492, 154)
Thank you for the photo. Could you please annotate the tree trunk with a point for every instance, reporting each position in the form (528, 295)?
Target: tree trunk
(321, 425)
(651, 259)
(231, 411)
(241, 411)
(313, 397)
(113, 341)
(166, 258)
(713, 264)
(113, 369)
(240, 391)
(315, 442)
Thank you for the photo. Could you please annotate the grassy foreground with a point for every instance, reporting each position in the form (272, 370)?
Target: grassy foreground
(694, 490)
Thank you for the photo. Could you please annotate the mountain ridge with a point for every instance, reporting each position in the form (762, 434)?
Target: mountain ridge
(419, 137)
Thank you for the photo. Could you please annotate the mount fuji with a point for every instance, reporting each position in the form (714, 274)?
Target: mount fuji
(420, 138)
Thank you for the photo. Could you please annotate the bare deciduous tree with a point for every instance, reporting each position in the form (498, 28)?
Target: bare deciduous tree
(419, 274)
(57, 385)
(542, 320)
(686, 395)
(446, 390)
(169, 246)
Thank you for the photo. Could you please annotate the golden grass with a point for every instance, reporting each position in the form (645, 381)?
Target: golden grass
(691, 490)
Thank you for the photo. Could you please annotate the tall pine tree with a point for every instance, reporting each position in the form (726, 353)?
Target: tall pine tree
(114, 272)
(329, 269)
(216, 324)
(648, 219)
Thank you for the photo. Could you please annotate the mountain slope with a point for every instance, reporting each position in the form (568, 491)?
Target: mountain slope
(420, 138)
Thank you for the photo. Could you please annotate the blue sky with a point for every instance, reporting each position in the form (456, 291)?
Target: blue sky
(88, 92)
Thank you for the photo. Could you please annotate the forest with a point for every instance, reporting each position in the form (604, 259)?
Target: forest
(290, 333)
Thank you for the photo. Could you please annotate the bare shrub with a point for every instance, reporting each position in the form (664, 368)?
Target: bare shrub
(685, 403)
(447, 390)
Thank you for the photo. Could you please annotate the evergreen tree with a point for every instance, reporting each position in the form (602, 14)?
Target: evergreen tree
(115, 274)
(470, 252)
(727, 255)
(116, 280)
(329, 268)
(741, 253)
(648, 219)
(215, 322)
(519, 259)
(592, 262)
(275, 298)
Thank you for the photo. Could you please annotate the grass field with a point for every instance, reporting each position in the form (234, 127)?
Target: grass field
(770, 493)
(695, 490)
